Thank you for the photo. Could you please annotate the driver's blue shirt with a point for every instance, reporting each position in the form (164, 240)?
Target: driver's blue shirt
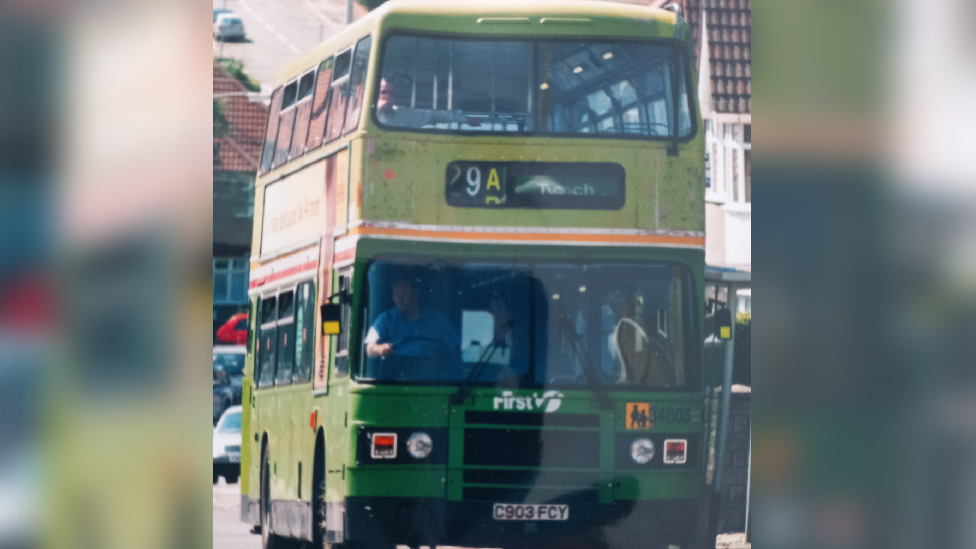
(414, 338)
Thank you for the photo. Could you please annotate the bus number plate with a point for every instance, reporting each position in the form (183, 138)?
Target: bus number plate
(509, 511)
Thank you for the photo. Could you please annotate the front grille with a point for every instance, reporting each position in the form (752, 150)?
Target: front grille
(557, 457)
(532, 419)
(532, 495)
(531, 478)
(532, 448)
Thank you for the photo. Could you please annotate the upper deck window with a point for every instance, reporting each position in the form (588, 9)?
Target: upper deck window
(540, 87)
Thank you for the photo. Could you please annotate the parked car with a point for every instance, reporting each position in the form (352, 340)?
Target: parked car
(223, 396)
(228, 27)
(231, 359)
(234, 330)
(227, 446)
(218, 11)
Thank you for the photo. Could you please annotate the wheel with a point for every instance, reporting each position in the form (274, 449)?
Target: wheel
(232, 478)
(318, 495)
(318, 502)
(268, 540)
(216, 477)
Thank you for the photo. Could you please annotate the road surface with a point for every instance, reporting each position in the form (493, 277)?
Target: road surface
(228, 530)
(278, 32)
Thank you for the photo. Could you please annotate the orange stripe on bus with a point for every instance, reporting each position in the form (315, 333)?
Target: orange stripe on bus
(534, 237)
(282, 274)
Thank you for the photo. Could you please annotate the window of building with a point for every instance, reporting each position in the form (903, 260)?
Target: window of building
(230, 281)
(748, 169)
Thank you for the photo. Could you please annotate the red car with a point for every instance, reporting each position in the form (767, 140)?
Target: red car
(234, 330)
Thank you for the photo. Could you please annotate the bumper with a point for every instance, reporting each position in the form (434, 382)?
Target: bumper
(237, 35)
(227, 464)
(625, 524)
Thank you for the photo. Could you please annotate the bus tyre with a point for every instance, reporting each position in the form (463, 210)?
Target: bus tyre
(318, 501)
(268, 540)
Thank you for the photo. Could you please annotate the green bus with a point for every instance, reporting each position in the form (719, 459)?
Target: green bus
(476, 283)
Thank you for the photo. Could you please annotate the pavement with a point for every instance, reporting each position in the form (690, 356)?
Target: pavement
(228, 530)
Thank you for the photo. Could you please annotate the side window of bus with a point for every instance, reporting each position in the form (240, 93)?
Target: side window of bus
(286, 337)
(250, 322)
(303, 108)
(340, 91)
(357, 84)
(286, 123)
(342, 345)
(304, 333)
(320, 105)
(271, 135)
(267, 341)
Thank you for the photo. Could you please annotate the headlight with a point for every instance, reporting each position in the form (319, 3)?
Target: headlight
(420, 445)
(642, 450)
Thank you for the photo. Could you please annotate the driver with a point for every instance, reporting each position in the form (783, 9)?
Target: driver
(409, 329)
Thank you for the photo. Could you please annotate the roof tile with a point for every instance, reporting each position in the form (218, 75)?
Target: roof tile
(241, 151)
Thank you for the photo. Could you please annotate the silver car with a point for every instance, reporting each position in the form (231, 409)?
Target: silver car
(227, 446)
(228, 27)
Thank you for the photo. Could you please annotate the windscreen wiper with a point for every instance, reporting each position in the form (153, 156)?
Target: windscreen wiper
(465, 389)
(569, 329)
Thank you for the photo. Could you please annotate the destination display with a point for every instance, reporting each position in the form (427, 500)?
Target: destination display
(536, 185)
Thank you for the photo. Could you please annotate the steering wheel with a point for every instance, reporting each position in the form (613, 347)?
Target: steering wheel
(444, 347)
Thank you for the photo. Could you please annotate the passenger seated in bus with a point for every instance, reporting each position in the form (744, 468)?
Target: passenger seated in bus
(499, 350)
(412, 330)
(392, 106)
(645, 360)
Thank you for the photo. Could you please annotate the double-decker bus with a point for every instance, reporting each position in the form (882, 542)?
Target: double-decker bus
(476, 283)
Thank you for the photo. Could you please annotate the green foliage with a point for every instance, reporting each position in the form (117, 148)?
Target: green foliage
(236, 69)
(221, 128)
(371, 4)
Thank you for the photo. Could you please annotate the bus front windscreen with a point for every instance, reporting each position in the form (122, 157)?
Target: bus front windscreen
(530, 325)
(601, 88)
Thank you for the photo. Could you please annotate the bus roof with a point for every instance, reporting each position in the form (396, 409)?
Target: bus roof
(483, 8)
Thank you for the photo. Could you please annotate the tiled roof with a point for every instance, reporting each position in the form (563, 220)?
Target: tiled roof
(729, 27)
(241, 151)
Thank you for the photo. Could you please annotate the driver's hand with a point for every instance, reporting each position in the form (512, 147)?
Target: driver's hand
(376, 349)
